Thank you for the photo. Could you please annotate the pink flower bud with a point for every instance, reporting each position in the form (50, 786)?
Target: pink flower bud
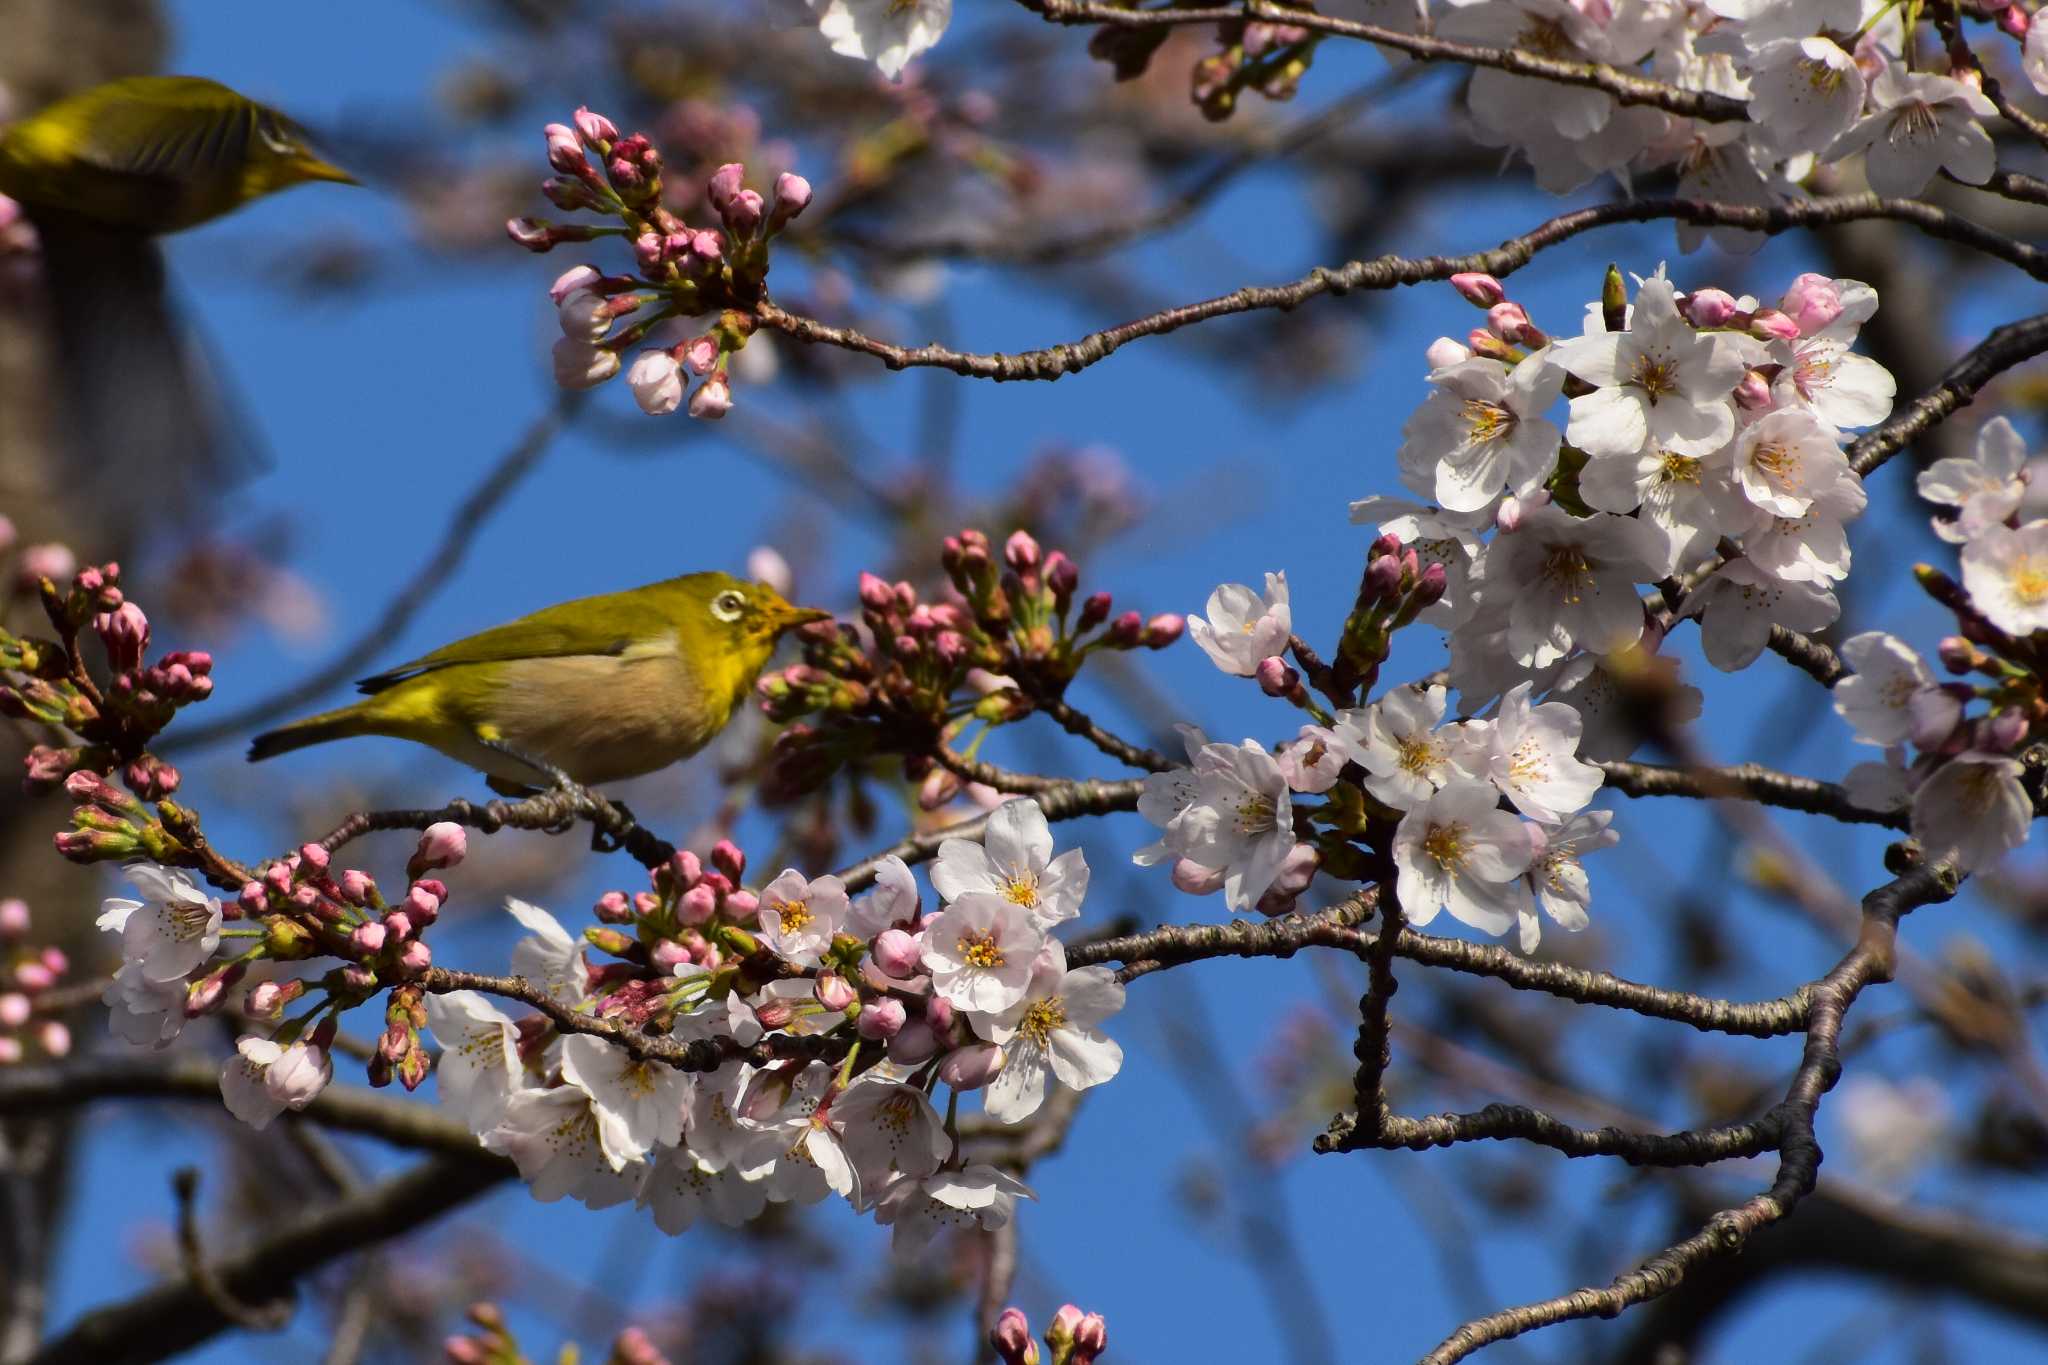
(656, 379)
(421, 903)
(645, 903)
(125, 633)
(399, 925)
(1127, 631)
(8, 216)
(741, 905)
(881, 1020)
(581, 365)
(876, 594)
(565, 150)
(1753, 391)
(1011, 1338)
(597, 131)
(744, 214)
(1768, 324)
(14, 1009)
(2004, 731)
(939, 787)
(649, 250)
(1196, 879)
(576, 279)
(34, 976)
(1710, 307)
(13, 917)
(266, 1000)
(792, 196)
(1511, 324)
(55, 1038)
(939, 1013)
(897, 954)
(1021, 551)
(729, 859)
(278, 875)
(1276, 679)
(2014, 22)
(697, 905)
(1062, 575)
(832, 991)
(415, 957)
(667, 955)
(1481, 291)
(613, 908)
(971, 1067)
(1066, 1323)
(725, 182)
(913, 1043)
(368, 939)
(52, 561)
(713, 398)
(1444, 352)
(53, 958)
(1091, 1339)
(202, 996)
(1812, 302)
(685, 869)
(442, 844)
(1163, 629)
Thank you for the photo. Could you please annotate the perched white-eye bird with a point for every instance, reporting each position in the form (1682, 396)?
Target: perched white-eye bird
(598, 689)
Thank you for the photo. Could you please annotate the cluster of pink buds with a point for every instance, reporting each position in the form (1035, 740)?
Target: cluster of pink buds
(1508, 334)
(681, 271)
(1266, 57)
(1012, 630)
(27, 973)
(1396, 588)
(494, 1344)
(690, 914)
(1073, 1337)
(47, 681)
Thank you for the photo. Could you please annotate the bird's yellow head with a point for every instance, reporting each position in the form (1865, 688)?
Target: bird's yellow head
(726, 628)
(280, 156)
(749, 615)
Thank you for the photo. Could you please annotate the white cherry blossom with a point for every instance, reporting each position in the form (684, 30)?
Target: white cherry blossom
(1803, 93)
(242, 1087)
(893, 901)
(1691, 501)
(1739, 603)
(979, 951)
(1244, 628)
(918, 1208)
(1660, 382)
(1459, 852)
(1165, 798)
(548, 957)
(1312, 760)
(681, 1189)
(1974, 808)
(171, 931)
(1556, 877)
(1399, 742)
(1053, 1031)
(1612, 730)
(1242, 820)
(1530, 756)
(1919, 124)
(2006, 573)
(799, 915)
(1483, 430)
(1985, 488)
(639, 1104)
(479, 1066)
(141, 1011)
(1786, 459)
(552, 1136)
(1879, 697)
(888, 1129)
(1570, 581)
(889, 33)
(1014, 860)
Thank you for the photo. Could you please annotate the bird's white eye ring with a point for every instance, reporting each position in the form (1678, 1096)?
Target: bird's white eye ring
(726, 606)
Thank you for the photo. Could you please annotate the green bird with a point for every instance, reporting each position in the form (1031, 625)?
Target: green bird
(598, 689)
(102, 174)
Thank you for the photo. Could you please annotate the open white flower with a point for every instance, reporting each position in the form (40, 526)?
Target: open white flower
(1691, 501)
(889, 33)
(680, 1188)
(639, 1104)
(242, 1086)
(1165, 799)
(1613, 726)
(2006, 573)
(171, 931)
(1739, 603)
(1974, 808)
(1659, 383)
(479, 1066)
(894, 900)
(1483, 431)
(889, 1129)
(918, 1208)
(144, 1012)
(1570, 581)
(1242, 820)
(1814, 546)
(1529, 753)
(1786, 459)
(1312, 760)
(548, 958)
(1014, 860)
(1920, 123)
(1557, 878)
(1459, 852)
(1244, 628)
(1397, 740)
(1985, 489)
(799, 915)
(552, 1136)
(979, 951)
(794, 1152)
(1053, 1031)
(1878, 698)
(1803, 94)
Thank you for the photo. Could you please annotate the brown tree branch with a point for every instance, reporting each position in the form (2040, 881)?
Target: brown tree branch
(2005, 347)
(1067, 802)
(1745, 782)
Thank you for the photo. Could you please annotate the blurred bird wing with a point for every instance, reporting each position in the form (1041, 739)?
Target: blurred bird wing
(174, 128)
(551, 633)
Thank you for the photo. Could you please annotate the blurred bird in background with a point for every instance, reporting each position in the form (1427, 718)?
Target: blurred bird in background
(101, 174)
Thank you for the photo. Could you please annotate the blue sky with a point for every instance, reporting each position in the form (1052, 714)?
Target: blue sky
(382, 408)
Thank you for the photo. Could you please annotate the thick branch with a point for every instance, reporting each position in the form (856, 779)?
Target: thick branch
(1745, 782)
(552, 811)
(2006, 347)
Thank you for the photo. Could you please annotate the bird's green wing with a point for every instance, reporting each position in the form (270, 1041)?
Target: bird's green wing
(173, 128)
(580, 627)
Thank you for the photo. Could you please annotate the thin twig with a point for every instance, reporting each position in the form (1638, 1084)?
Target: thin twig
(1067, 802)
(1745, 782)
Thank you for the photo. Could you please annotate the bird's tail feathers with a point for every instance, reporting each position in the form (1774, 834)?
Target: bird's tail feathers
(346, 723)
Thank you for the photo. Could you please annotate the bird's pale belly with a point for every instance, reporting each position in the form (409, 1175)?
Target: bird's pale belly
(597, 718)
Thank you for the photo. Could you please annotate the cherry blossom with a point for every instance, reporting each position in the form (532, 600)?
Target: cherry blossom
(1570, 581)
(889, 1129)
(1397, 740)
(681, 1187)
(639, 1103)
(1014, 860)
(170, 932)
(1556, 877)
(1690, 500)
(144, 1012)
(1739, 603)
(1244, 629)
(1919, 124)
(1985, 488)
(479, 1066)
(1972, 808)
(918, 1208)
(1528, 753)
(979, 951)
(889, 33)
(548, 957)
(1053, 1032)
(1879, 698)
(1459, 852)
(1482, 430)
(1241, 821)
(1660, 382)
(2006, 573)
(553, 1137)
(799, 915)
